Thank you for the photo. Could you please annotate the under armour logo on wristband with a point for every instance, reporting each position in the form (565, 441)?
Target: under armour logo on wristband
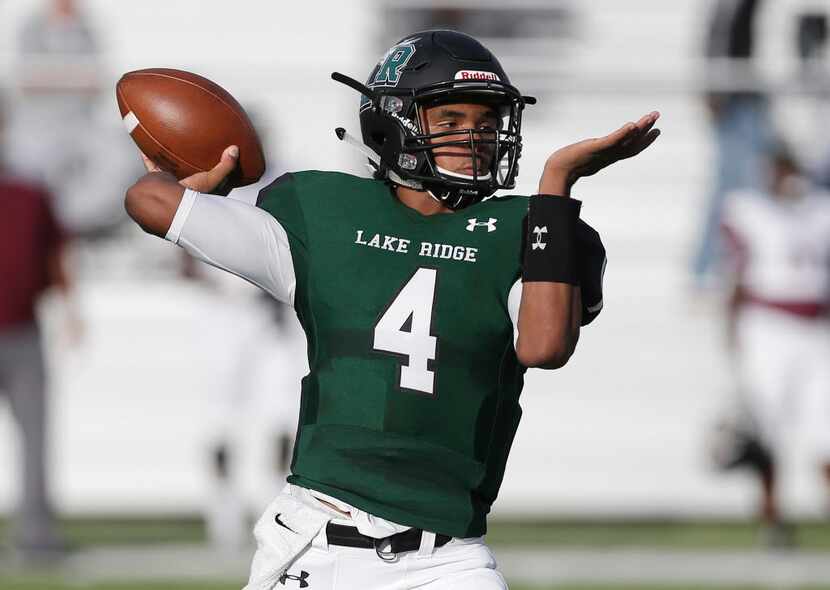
(490, 224)
(539, 243)
(301, 578)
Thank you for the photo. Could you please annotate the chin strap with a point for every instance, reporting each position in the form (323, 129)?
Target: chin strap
(464, 176)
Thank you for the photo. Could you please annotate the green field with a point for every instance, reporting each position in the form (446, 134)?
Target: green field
(660, 534)
(41, 584)
(90, 533)
(87, 532)
(115, 531)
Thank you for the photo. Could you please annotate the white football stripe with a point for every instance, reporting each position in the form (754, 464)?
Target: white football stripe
(130, 122)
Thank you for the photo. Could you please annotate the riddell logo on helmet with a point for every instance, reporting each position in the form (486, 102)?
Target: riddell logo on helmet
(405, 122)
(475, 75)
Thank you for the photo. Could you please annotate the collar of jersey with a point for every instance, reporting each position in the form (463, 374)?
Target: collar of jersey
(416, 215)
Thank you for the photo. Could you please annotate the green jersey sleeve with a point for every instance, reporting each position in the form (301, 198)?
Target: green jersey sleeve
(282, 200)
(591, 270)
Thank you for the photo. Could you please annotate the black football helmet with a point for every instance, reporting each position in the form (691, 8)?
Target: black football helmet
(426, 69)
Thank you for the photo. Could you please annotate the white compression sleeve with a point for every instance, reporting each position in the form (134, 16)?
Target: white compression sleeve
(238, 238)
(514, 299)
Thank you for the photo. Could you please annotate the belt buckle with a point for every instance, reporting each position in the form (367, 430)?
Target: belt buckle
(384, 555)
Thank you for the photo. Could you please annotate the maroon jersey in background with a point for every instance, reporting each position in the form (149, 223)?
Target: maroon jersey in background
(29, 237)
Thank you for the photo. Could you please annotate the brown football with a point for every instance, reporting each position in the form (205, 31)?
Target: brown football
(183, 122)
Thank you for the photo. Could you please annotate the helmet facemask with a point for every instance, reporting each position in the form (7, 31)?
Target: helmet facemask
(494, 151)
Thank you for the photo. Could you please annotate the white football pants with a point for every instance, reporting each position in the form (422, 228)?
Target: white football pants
(784, 368)
(293, 552)
(460, 564)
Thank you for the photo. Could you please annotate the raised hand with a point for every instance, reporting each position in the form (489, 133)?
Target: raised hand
(570, 163)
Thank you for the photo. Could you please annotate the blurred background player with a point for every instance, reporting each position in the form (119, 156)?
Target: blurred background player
(58, 79)
(256, 430)
(61, 121)
(254, 410)
(739, 113)
(779, 241)
(32, 251)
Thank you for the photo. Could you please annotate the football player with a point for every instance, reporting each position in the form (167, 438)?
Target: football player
(779, 241)
(409, 286)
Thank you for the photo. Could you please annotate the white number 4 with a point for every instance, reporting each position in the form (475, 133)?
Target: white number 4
(404, 329)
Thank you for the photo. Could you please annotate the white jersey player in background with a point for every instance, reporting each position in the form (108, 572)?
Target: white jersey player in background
(779, 328)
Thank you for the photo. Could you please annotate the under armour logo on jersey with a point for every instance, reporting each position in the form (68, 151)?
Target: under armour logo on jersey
(301, 578)
(490, 224)
(539, 243)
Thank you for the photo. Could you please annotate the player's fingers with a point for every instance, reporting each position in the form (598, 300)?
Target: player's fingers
(225, 166)
(649, 139)
(648, 120)
(644, 125)
(634, 138)
(646, 141)
(149, 164)
(616, 137)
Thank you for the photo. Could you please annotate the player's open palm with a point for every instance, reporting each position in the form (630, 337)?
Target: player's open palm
(589, 156)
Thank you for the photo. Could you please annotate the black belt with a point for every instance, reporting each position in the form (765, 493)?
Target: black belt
(408, 540)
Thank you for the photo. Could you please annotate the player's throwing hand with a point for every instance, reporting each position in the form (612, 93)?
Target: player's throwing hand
(204, 182)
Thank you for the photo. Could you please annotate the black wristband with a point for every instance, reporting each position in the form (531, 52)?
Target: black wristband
(550, 249)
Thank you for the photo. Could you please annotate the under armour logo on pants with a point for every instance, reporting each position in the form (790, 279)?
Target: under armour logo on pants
(301, 578)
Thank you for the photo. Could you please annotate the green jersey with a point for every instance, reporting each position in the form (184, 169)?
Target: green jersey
(412, 399)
